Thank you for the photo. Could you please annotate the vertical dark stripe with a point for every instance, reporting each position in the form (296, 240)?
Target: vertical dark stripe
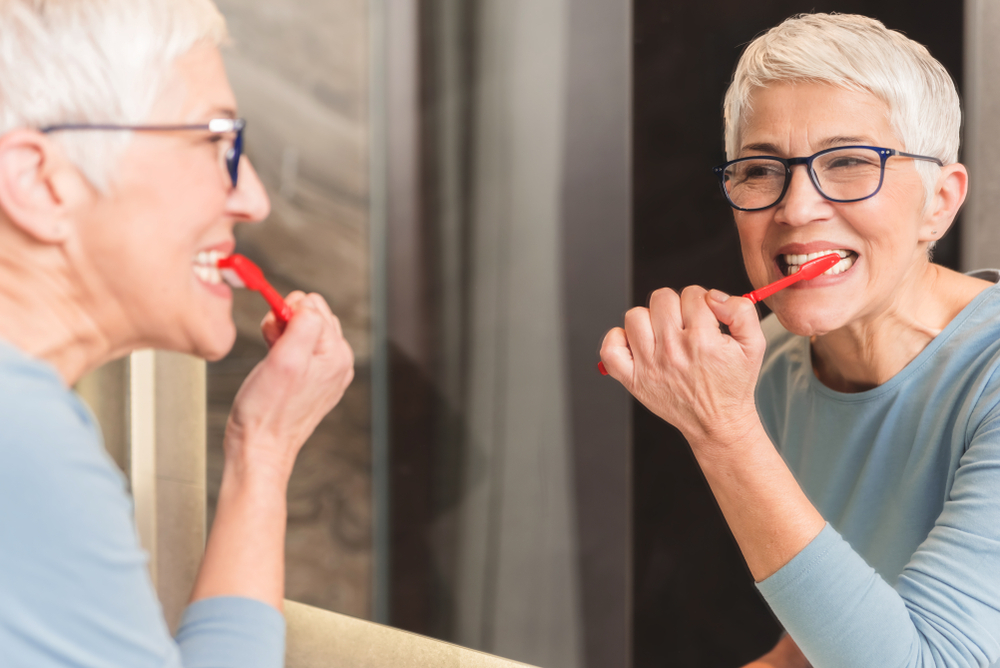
(596, 261)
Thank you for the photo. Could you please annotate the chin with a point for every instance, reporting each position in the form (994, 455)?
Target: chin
(214, 345)
(802, 322)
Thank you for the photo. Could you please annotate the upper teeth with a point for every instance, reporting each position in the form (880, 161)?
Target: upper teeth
(794, 262)
(205, 265)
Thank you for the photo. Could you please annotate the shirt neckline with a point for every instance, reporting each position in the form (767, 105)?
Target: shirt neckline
(914, 365)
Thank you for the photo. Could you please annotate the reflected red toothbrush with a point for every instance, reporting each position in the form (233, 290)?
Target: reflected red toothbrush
(240, 272)
(808, 271)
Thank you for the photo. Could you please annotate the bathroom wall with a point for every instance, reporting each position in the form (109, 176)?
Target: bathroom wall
(981, 153)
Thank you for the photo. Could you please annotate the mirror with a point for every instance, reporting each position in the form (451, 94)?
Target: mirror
(417, 156)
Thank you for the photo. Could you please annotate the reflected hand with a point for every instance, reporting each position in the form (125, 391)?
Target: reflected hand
(673, 358)
(308, 368)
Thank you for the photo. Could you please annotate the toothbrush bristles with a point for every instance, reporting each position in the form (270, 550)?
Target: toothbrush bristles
(231, 277)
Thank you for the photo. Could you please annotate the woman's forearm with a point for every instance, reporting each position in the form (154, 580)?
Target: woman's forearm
(245, 551)
(279, 405)
(768, 513)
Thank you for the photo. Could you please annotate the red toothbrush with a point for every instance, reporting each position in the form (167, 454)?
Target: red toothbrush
(240, 272)
(808, 271)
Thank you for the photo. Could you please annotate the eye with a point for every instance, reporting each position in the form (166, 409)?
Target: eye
(756, 170)
(846, 162)
(850, 160)
(763, 171)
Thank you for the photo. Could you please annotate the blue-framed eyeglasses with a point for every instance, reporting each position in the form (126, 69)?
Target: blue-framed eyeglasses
(215, 125)
(841, 174)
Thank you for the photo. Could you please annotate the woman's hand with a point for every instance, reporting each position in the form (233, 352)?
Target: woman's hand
(673, 358)
(283, 399)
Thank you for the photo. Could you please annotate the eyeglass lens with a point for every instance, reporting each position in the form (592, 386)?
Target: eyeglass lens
(845, 174)
(233, 156)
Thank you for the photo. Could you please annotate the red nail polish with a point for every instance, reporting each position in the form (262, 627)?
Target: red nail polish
(600, 367)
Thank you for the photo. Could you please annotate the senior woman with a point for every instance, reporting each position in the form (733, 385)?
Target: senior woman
(101, 229)
(852, 439)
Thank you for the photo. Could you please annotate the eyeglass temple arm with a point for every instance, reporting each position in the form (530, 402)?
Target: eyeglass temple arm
(233, 125)
(918, 157)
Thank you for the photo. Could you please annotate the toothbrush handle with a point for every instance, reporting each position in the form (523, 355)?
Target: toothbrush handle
(808, 271)
(282, 311)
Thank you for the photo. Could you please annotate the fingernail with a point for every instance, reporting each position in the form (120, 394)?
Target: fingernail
(718, 295)
(600, 367)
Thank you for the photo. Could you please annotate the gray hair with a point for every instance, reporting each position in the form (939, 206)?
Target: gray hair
(857, 53)
(94, 61)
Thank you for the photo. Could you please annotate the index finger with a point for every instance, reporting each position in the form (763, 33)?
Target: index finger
(616, 354)
(271, 327)
(697, 315)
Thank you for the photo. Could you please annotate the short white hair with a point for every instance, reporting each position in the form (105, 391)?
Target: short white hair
(856, 53)
(94, 61)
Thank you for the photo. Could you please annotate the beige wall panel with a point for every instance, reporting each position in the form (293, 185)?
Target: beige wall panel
(181, 543)
(105, 390)
(178, 394)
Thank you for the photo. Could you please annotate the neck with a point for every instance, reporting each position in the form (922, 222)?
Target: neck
(45, 311)
(867, 353)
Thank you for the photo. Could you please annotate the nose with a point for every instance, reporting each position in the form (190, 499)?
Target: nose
(802, 202)
(248, 201)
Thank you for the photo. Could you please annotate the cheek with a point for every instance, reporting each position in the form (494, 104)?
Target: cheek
(889, 228)
(751, 232)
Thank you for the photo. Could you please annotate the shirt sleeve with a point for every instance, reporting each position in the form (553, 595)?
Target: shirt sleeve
(74, 585)
(231, 631)
(945, 607)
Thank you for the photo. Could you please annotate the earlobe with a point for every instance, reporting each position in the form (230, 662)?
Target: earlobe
(30, 165)
(949, 195)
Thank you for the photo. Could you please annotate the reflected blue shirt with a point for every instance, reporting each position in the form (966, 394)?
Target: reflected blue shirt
(907, 475)
(74, 585)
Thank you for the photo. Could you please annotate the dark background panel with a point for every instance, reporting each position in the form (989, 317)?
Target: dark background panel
(694, 600)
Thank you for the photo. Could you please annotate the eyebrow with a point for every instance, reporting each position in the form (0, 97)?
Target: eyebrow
(839, 140)
(222, 112)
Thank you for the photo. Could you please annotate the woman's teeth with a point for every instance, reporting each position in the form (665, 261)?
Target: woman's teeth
(794, 262)
(205, 265)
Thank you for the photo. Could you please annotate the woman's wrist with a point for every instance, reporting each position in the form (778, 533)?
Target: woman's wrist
(257, 459)
(769, 515)
(244, 555)
(738, 437)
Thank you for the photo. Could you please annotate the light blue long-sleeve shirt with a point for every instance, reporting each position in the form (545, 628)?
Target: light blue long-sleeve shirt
(907, 572)
(74, 585)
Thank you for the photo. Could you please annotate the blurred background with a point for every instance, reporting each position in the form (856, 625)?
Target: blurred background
(481, 188)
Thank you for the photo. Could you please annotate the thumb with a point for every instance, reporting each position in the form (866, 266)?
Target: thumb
(271, 328)
(738, 314)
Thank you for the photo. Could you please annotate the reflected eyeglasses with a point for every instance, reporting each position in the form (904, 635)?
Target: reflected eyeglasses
(841, 174)
(215, 125)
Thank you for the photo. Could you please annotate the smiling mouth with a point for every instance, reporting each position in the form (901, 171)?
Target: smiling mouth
(790, 264)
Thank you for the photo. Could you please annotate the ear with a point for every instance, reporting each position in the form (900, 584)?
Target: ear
(949, 195)
(39, 187)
